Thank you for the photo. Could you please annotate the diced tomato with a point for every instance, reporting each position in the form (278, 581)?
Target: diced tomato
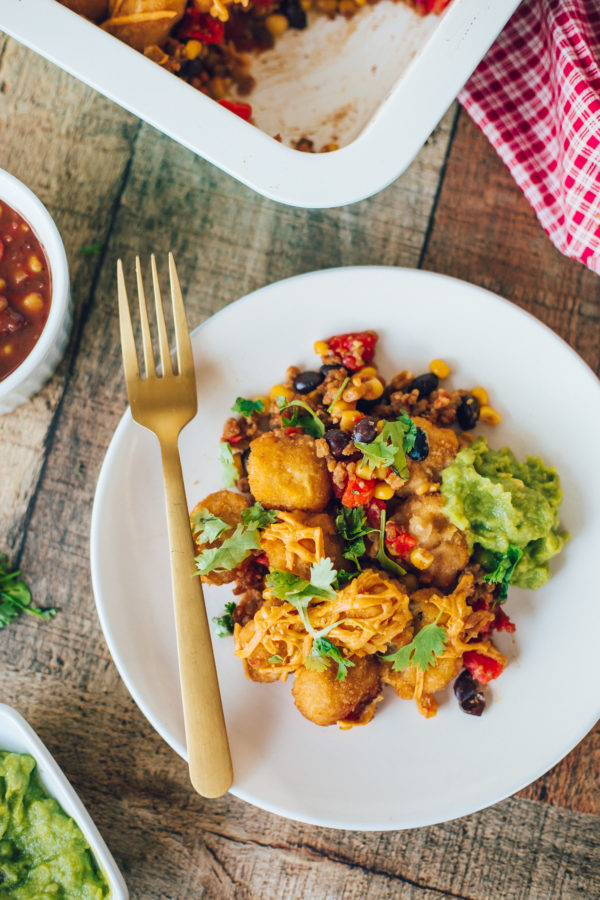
(483, 668)
(235, 439)
(262, 559)
(202, 27)
(399, 541)
(243, 110)
(503, 623)
(374, 510)
(358, 492)
(292, 429)
(355, 349)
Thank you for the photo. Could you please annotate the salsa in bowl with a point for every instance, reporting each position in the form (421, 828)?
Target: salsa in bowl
(35, 313)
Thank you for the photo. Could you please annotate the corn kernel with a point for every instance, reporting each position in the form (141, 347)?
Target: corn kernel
(321, 348)
(265, 402)
(363, 470)
(19, 275)
(329, 148)
(481, 395)
(7, 349)
(373, 389)
(381, 472)
(366, 372)
(35, 264)
(33, 302)
(348, 418)
(2, 284)
(489, 416)
(383, 491)
(439, 368)
(341, 406)
(380, 425)
(279, 390)
(277, 24)
(306, 5)
(193, 49)
(421, 558)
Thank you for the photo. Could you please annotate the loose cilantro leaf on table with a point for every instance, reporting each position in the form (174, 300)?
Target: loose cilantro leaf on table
(382, 558)
(247, 407)
(352, 525)
(421, 653)
(229, 472)
(256, 516)
(15, 597)
(206, 527)
(231, 553)
(89, 251)
(224, 623)
(506, 564)
(309, 423)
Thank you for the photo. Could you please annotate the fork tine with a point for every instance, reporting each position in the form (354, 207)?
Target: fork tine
(130, 360)
(163, 343)
(185, 360)
(146, 338)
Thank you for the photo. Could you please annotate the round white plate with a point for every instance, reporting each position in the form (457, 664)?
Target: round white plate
(402, 770)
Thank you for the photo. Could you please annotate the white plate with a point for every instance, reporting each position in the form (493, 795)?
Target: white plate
(401, 770)
(377, 86)
(18, 736)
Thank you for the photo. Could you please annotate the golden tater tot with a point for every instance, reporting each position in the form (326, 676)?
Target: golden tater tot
(297, 556)
(324, 700)
(91, 9)
(423, 518)
(224, 505)
(284, 472)
(443, 447)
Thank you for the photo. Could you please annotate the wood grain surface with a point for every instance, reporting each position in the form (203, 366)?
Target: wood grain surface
(111, 180)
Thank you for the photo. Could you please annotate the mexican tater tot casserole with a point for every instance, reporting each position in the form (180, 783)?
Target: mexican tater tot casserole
(371, 536)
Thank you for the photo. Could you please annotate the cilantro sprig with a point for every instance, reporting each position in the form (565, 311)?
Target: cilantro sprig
(505, 565)
(256, 516)
(206, 527)
(338, 395)
(15, 596)
(224, 623)
(299, 593)
(235, 548)
(421, 653)
(246, 407)
(391, 445)
(382, 558)
(353, 527)
(307, 421)
(229, 472)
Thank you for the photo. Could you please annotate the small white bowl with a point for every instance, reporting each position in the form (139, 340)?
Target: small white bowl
(18, 737)
(40, 363)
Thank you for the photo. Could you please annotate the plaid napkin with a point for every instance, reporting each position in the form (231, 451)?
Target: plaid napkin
(536, 96)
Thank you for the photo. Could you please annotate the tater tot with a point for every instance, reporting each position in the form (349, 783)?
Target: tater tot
(284, 472)
(443, 447)
(299, 559)
(324, 700)
(224, 505)
(424, 519)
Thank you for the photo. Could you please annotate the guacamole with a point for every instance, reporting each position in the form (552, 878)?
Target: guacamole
(499, 502)
(43, 854)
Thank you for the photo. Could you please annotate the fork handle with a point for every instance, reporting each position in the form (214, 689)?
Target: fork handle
(209, 758)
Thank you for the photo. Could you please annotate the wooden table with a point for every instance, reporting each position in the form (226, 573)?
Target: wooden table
(111, 180)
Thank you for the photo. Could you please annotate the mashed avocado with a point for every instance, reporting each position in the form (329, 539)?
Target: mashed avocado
(497, 502)
(43, 854)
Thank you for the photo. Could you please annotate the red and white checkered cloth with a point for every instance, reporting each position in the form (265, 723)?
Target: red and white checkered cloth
(536, 96)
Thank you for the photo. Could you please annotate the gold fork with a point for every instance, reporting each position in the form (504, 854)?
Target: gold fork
(164, 404)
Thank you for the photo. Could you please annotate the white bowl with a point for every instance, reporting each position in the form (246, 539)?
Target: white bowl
(41, 362)
(379, 84)
(18, 737)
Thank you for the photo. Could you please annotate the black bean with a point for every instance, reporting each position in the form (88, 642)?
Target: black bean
(245, 455)
(306, 382)
(420, 449)
(326, 368)
(475, 705)
(366, 406)
(467, 412)
(337, 441)
(465, 686)
(365, 430)
(192, 68)
(294, 13)
(424, 384)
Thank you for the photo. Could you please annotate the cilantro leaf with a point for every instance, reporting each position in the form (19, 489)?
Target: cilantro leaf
(224, 623)
(410, 434)
(310, 423)
(323, 650)
(275, 658)
(506, 564)
(391, 445)
(15, 597)
(427, 644)
(247, 407)
(89, 251)
(382, 558)
(352, 525)
(231, 553)
(343, 577)
(377, 453)
(206, 527)
(256, 516)
(229, 472)
(322, 575)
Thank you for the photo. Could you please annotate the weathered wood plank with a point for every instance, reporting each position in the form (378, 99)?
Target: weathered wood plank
(485, 232)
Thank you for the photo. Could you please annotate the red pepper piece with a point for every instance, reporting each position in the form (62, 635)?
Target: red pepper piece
(483, 668)
(292, 429)
(399, 541)
(235, 439)
(202, 27)
(503, 623)
(374, 510)
(358, 492)
(355, 349)
(262, 559)
(243, 110)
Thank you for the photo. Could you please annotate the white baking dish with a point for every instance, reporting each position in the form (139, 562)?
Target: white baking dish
(376, 85)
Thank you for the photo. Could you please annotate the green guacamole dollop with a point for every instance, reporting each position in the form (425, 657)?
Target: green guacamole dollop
(43, 853)
(498, 501)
